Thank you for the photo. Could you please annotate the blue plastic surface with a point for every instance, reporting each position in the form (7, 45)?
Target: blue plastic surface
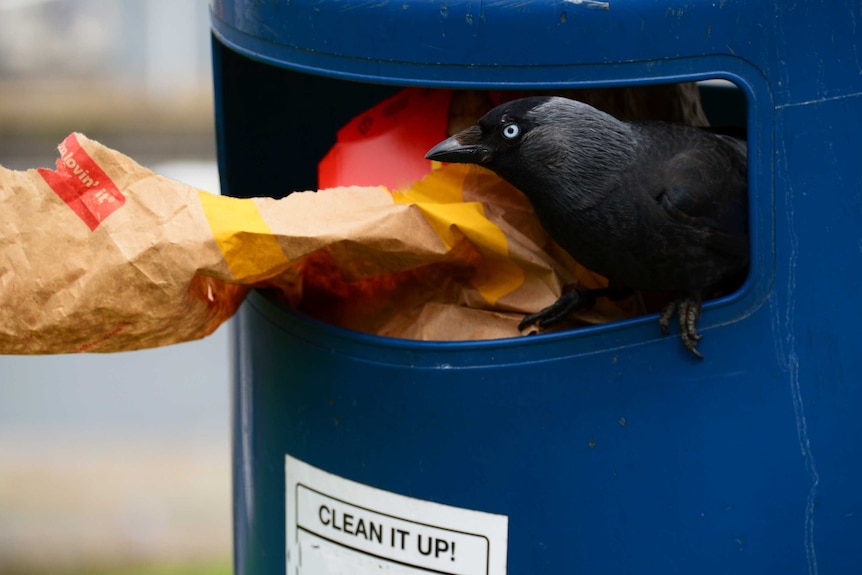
(610, 449)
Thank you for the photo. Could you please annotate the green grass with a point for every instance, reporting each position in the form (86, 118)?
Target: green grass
(223, 567)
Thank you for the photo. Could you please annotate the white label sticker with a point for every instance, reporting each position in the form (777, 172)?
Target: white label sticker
(337, 526)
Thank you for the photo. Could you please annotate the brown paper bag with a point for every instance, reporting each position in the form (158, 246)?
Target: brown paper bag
(104, 255)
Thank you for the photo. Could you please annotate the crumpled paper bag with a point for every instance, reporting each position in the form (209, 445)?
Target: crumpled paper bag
(104, 255)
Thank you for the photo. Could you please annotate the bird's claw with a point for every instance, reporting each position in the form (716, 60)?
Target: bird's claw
(558, 311)
(688, 310)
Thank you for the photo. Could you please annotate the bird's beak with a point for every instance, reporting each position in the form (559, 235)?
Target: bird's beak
(465, 147)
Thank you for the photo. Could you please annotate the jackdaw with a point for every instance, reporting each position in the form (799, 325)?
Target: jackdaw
(651, 206)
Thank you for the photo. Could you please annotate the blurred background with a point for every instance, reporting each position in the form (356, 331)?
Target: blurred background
(113, 463)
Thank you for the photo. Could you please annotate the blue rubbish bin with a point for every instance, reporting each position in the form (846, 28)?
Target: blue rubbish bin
(607, 449)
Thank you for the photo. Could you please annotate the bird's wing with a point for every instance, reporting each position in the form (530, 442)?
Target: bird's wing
(705, 187)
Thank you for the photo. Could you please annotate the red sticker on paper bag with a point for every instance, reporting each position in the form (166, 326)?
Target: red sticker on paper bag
(82, 184)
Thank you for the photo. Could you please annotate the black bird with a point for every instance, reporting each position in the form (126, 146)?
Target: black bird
(648, 205)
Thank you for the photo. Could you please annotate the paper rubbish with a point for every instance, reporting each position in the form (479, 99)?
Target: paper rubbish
(104, 255)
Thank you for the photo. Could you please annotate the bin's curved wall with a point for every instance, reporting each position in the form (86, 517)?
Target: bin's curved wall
(609, 449)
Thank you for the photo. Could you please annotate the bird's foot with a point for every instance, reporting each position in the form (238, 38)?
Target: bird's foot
(688, 310)
(568, 303)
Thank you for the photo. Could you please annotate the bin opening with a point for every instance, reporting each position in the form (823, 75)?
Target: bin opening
(352, 133)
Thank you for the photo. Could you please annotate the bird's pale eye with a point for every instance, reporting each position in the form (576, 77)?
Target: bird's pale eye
(511, 131)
